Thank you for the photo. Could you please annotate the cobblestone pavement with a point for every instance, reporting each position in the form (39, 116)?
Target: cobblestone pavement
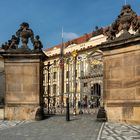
(83, 127)
(8, 124)
(118, 131)
(79, 128)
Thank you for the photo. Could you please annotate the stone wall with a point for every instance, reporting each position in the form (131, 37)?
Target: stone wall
(23, 87)
(122, 83)
(1, 113)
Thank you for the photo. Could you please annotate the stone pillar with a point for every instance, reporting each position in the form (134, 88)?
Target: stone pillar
(2, 88)
(122, 80)
(23, 81)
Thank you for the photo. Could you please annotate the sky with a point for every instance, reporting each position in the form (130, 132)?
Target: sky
(47, 17)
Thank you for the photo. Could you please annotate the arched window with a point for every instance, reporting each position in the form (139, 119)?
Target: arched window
(96, 89)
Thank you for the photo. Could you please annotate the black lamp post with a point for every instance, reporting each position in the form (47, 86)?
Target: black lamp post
(67, 99)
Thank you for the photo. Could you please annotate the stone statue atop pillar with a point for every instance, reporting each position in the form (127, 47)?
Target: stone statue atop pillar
(37, 43)
(11, 44)
(25, 33)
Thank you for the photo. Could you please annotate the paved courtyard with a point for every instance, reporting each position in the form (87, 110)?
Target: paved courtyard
(84, 127)
(118, 131)
(10, 124)
(55, 128)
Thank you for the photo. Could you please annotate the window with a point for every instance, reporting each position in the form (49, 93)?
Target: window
(92, 90)
(75, 73)
(67, 74)
(97, 89)
(54, 75)
(76, 86)
(82, 73)
(49, 89)
(67, 87)
(85, 84)
(54, 88)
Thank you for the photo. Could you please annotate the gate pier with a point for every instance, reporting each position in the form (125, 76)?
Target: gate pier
(23, 69)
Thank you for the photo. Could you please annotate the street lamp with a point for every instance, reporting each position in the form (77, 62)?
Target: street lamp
(67, 99)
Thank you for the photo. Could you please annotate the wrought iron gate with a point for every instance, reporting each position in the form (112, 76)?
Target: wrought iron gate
(88, 99)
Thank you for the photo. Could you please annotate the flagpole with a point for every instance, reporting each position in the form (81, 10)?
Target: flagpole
(62, 44)
(62, 72)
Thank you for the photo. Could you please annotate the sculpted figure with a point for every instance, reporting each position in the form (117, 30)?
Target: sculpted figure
(5, 46)
(25, 33)
(111, 31)
(37, 43)
(126, 17)
(136, 24)
(13, 43)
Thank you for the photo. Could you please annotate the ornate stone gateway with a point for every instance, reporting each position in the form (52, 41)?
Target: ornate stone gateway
(23, 76)
(121, 58)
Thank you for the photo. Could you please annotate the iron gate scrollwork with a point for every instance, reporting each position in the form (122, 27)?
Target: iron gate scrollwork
(88, 99)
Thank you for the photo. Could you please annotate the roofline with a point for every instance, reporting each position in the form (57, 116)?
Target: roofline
(84, 37)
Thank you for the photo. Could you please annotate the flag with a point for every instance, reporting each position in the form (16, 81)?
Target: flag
(61, 63)
(62, 52)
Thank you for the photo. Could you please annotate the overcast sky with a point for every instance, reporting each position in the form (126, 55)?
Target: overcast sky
(47, 17)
